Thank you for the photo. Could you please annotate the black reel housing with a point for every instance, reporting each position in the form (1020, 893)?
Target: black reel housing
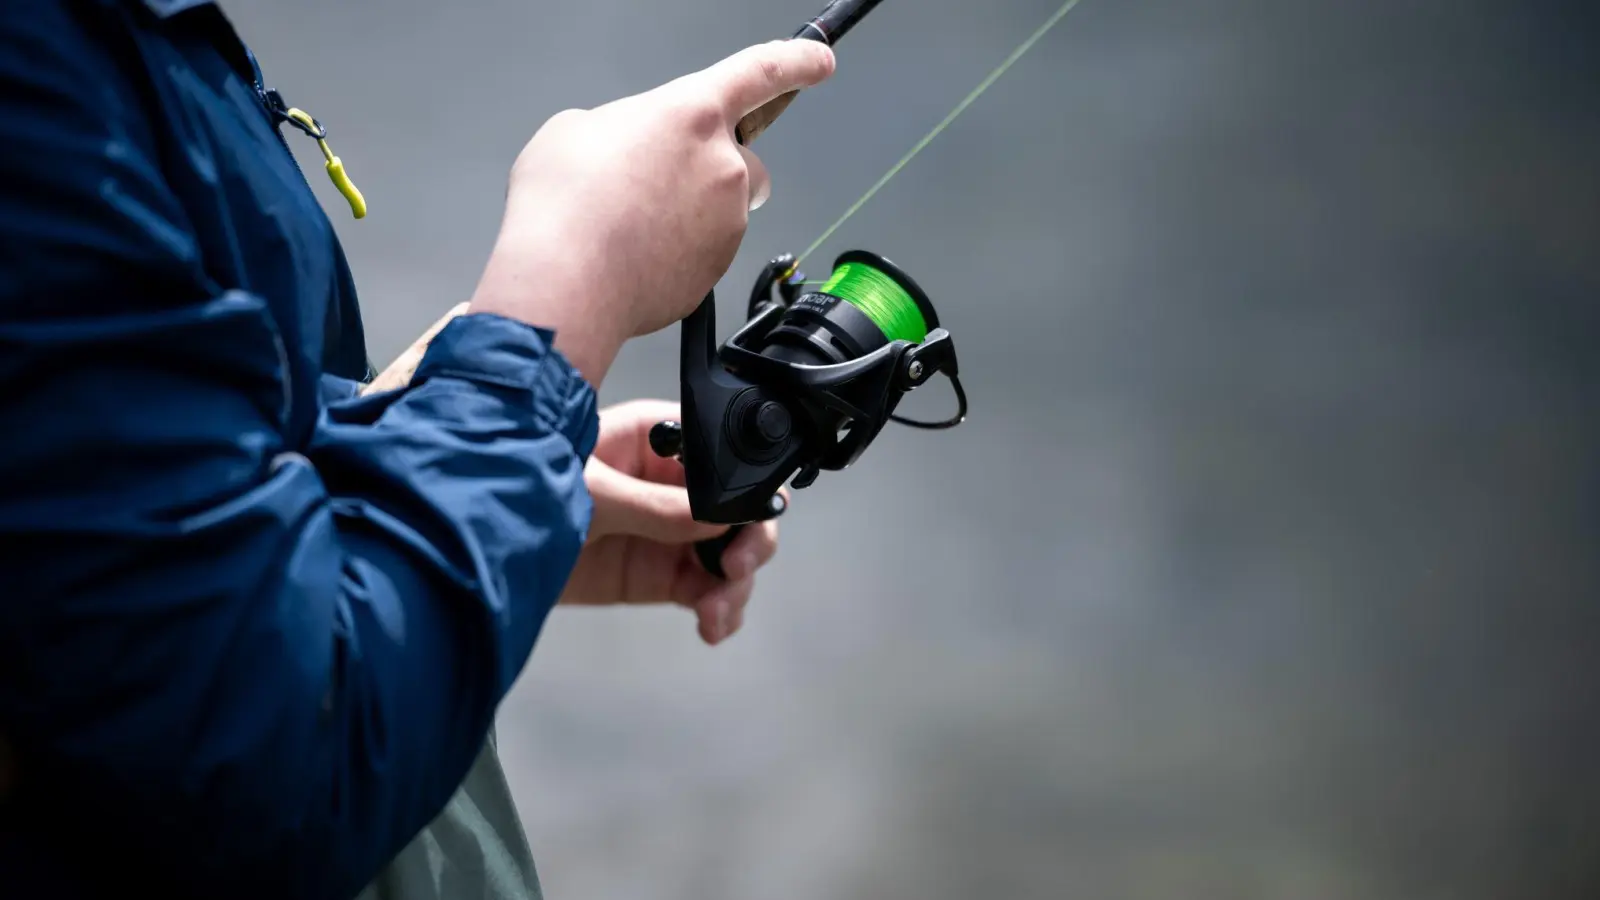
(804, 386)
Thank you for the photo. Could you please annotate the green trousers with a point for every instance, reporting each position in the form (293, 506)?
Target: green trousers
(474, 850)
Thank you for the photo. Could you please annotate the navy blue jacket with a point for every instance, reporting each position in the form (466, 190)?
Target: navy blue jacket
(253, 628)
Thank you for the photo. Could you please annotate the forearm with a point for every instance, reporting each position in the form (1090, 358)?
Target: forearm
(536, 276)
(272, 682)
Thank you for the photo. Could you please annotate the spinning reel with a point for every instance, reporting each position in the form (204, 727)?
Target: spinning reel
(805, 386)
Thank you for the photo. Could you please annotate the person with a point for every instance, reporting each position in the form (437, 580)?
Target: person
(255, 622)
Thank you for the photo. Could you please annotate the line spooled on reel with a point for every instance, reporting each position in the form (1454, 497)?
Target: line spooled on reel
(812, 377)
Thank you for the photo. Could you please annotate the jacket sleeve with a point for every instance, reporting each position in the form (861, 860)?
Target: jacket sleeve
(255, 665)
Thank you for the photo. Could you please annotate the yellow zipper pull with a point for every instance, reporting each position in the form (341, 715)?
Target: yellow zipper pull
(341, 181)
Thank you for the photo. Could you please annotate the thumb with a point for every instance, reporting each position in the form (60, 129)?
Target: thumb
(635, 507)
(755, 76)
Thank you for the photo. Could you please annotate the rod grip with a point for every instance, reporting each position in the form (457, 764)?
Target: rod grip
(751, 126)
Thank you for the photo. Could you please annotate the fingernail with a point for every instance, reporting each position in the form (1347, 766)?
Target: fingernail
(719, 620)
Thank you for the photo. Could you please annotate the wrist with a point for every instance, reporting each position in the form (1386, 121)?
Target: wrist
(559, 295)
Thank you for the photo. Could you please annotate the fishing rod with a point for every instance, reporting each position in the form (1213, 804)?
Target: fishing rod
(812, 377)
(827, 27)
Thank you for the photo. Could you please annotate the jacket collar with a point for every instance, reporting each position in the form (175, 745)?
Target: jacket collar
(165, 8)
(244, 62)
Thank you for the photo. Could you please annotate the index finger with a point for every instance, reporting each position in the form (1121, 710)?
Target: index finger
(633, 506)
(755, 76)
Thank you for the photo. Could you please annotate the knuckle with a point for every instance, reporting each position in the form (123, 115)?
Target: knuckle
(644, 411)
(566, 118)
(732, 172)
(735, 180)
(703, 116)
(772, 71)
(666, 509)
(767, 547)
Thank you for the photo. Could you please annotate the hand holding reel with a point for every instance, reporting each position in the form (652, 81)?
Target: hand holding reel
(805, 386)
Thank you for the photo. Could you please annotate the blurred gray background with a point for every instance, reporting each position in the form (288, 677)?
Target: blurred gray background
(1269, 562)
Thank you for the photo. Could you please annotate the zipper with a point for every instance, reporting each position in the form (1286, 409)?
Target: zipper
(272, 103)
(280, 112)
(277, 114)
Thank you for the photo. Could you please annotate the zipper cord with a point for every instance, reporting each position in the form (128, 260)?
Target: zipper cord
(282, 112)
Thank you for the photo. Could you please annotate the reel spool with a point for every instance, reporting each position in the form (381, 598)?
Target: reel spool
(804, 387)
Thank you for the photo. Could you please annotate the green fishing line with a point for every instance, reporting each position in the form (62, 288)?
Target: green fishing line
(881, 299)
(983, 87)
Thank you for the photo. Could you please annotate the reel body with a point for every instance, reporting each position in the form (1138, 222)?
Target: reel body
(803, 387)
